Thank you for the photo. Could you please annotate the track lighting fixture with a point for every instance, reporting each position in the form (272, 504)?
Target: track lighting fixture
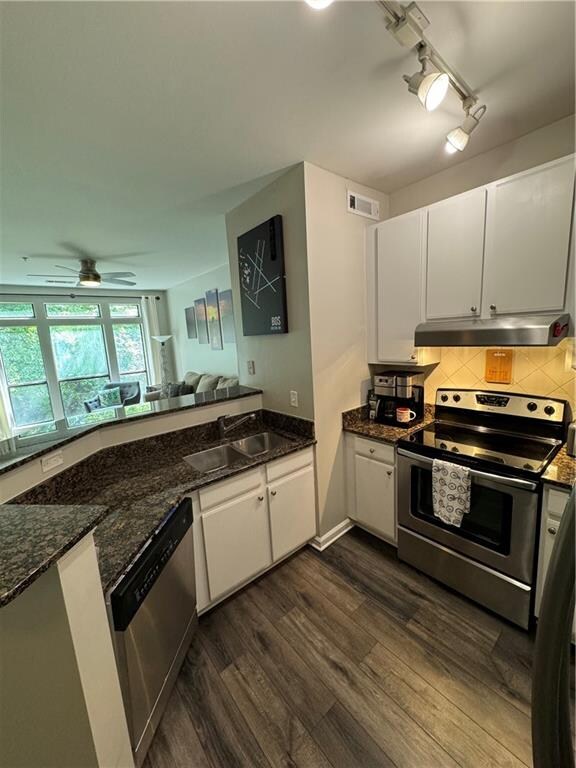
(457, 139)
(430, 87)
(406, 23)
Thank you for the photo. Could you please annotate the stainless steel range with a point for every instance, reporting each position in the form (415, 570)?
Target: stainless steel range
(507, 441)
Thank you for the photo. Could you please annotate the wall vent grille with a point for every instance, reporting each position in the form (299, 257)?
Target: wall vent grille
(363, 206)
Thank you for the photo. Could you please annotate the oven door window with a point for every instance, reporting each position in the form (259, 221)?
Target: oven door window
(488, 522)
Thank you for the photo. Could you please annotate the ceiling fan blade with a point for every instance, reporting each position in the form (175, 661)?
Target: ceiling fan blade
(62, 277)
(80, 252)
(106, 275)
(59, 266)
(116, 281)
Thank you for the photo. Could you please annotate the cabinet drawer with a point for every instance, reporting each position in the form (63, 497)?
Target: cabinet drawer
(374, 450)
(225, 490)
(288, 464)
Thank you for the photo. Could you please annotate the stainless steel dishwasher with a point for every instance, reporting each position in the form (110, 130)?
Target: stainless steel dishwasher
(152, 610)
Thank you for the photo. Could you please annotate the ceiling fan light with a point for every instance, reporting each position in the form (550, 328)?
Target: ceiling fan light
(433, 89)
(319, 5)
(90, 281)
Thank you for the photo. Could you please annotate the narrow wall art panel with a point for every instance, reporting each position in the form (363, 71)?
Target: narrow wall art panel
(227, 316)
(201, 324)
(263, 279)
(191, 323)
(213, 316)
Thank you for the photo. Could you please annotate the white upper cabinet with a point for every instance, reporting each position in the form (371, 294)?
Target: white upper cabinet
(398, 266)
(527, 240)
(455, 256)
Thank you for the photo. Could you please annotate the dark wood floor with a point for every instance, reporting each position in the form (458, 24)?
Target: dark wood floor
(349, 658)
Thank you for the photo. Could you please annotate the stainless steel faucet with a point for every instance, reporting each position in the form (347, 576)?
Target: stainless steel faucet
(223, 429)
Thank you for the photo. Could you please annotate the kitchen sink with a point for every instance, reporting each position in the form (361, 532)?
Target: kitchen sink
(254, 445)
(220, 457)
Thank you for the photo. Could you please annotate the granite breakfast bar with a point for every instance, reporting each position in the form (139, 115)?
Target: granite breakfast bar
(108, 495)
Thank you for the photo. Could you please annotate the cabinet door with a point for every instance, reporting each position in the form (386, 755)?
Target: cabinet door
(399, 249)
(527, 241)
(237, 541)
(455, 256)
(375, 496)
(292, 505)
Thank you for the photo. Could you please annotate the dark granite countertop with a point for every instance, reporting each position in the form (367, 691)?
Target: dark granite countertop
(32, 538)
(357, 422)
(140, 482)
(561, 471)
(17, 451)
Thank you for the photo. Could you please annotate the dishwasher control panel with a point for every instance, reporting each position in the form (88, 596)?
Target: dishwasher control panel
(132, 589)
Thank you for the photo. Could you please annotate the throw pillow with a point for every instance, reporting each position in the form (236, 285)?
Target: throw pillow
(208, 383)
(191, 379)
(227, 381)
(175, 389)
(185, 389)
(110, 397)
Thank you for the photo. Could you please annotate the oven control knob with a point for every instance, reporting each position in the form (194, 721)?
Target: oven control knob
(455, 449)
(532, 406)
(456, 398)
(528, 466)
(549, 410)
(443, 446)
(443, 398)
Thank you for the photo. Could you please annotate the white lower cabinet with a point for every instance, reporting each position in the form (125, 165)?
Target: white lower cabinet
(292, 511)
(371, 479)
(246, 523)
(237, 542)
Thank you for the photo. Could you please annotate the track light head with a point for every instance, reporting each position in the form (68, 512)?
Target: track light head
(319, 5)
(457, 139)
(430, 87)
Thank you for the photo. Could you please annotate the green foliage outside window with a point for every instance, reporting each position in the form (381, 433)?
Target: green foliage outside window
(21, 354)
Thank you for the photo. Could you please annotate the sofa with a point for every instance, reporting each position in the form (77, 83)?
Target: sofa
(192, 383)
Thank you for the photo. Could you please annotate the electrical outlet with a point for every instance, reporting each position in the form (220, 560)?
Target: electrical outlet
(294, 398)
(52, 461)
(251, 367)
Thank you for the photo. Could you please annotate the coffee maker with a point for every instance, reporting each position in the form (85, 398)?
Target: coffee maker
(393, 390)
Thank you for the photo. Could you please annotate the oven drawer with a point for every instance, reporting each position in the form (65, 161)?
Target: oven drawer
(500, 529)
(501, 594)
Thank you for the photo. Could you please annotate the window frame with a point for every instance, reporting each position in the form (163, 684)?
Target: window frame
(43, 323)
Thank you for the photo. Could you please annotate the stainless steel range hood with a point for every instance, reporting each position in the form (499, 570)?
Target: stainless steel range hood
(511, 331)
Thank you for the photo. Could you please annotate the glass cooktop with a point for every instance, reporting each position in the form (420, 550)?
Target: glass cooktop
(483, 446)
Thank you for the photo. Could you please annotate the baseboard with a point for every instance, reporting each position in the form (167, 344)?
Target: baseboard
(322, 542)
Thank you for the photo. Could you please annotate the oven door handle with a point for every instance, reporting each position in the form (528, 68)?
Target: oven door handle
(513, 482)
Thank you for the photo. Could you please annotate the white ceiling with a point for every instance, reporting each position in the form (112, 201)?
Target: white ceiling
(135, 126)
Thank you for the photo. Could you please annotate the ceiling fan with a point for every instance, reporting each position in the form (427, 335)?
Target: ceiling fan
(87, 276)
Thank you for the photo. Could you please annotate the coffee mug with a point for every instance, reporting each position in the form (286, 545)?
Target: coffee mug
(405, 414)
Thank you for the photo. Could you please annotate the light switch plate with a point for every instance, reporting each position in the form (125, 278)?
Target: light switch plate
(52, 461)
(251, 367)
(294, 398)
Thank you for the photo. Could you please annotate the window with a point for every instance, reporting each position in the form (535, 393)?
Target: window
(57, 357)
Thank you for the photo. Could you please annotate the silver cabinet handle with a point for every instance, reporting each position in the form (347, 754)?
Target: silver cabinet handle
(273, 493)
(412, 357)
(473, 309)
(389, 472)
(260, 498)
(492, 307)
(372, 450)
(552, 531)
